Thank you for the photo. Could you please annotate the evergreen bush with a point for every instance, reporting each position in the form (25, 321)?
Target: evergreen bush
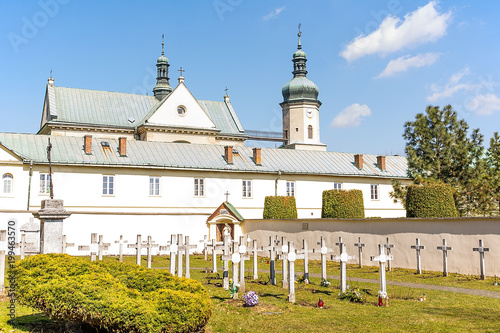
(280, 208)
(430, 200)
(113, 296)
(343, 204)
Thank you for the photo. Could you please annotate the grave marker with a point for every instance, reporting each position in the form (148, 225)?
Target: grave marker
(149, 248)
(417, 247)
(360, 246)
(226, 256)
(382, 258)
(291, 258)
(235, 259)
(101, 247)
(214, 247)
(187, 247)
(388, 248)
(445, 250)
(65, 244)
(283, 255)
(343, 258)
(242, 249)
(138, 248)
(304, 254)
(255, 259)
(172, 248)
(120, 243)
(272, 257)
(93, 247)
(205, 247)
(22, 246)
(324, 251)
(180, 249)
(481, 251)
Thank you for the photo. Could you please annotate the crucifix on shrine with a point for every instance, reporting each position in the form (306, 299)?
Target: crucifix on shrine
(227, 194)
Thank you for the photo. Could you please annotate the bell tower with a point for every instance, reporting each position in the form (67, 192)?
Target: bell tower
(162, 88)
(300, 106)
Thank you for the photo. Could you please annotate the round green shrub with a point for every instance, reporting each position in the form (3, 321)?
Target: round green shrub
(280, 208)
(347, 204)
(110, 295)
(430, 200)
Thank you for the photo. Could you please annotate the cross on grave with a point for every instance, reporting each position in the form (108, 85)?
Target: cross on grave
(180, 249)
(417, 247)
(66, 244)
(235, 259)
(226, 256)
(172, 248)
(388, 248)
(481, 251)
(283, 255)
(272, 248)
(360, 251)
(22, 245)
(445, 250)
(138, 248)
(304, 254)
(214, 246)
(343, 258)
(120, 243)
(186, 248)
(292, 256)
(324, 251)
(149, 248)
(93, 247)
(255, 257)
(382, 258)
(3, 251)
(101, 247)
(242, 249)
(205, 246)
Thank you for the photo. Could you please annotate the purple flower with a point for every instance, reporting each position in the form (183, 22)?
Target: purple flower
(251, 298)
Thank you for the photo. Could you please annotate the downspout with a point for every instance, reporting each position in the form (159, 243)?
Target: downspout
(276, 184)
(29, 185)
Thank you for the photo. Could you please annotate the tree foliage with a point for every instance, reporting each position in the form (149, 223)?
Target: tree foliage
(439, 148)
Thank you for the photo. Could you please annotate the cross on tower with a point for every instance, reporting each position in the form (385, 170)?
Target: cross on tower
(181, 70)
(226, 90)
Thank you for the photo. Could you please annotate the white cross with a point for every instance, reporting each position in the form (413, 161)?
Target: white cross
(382, 258)
(481, 251)
(360, 251)
(418, 247)
(343, 258)
(445, 250)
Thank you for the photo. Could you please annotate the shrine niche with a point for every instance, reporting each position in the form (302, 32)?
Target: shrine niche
(225, 220)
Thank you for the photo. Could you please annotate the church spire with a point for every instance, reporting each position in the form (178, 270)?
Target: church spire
(299, 59)
(162, 88)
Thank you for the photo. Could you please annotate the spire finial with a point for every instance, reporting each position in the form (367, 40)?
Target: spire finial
(163, 44)
(299, 46)
(226, 90)
(51, 74)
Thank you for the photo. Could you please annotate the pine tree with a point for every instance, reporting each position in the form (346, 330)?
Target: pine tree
(493, 159)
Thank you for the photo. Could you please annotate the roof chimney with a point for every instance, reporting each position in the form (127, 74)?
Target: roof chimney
(257, 156)
(87, 144)
(381, 162)
(228, 154)
(122, 146)
(358, 161)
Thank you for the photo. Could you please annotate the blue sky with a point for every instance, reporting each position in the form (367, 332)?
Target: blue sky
(377, 63)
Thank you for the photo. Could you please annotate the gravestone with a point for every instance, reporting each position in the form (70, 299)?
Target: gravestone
(226, 256)
(445, 250)
(214, 246)
(255, 259)
(172, 249)
(66, 244)
(388, 248)
(292, 256)
(235, 259)
(138, 248)
(304, 254)
(120, 243)
(360, 246)
(382, 258)
(242, 249)
(272, 247)
(283, 256)
(324, 252)
(22, 246)
(51, 216)
(101, 247)
(187, 248)
(205, 247)
(180, 250)
(481, 251)
(93, 247)
(417, 247)
(150, 245)
(343, 258)
(32, 231)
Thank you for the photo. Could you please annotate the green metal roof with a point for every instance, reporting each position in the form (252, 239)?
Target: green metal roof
(233, 210)
(223, 119)
(165, 155)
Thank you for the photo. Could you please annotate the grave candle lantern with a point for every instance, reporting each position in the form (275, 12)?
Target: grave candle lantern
(320, 303)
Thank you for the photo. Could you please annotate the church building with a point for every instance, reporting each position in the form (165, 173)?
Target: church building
(128, 164)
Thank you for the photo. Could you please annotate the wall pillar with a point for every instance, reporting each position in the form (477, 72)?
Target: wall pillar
(51, 215)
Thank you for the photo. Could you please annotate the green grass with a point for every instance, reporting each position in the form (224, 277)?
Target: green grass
(442, 311)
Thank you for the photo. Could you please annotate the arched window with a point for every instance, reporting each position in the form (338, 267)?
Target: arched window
(309, 132)
(7, 183)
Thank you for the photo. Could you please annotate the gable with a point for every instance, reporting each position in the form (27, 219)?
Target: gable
(167, 115)
(226, 209)
(7, 156)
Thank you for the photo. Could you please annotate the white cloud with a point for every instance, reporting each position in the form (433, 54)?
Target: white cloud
(402, 64)
(452, 86)
(424, 25)
(274, 13)
(351, 116)
(484, 104)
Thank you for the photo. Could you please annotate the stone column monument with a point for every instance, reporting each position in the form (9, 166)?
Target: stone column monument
(51, 215)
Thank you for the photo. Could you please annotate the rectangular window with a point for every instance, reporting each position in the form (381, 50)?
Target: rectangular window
(108, 185)
(154, 186)
(44, 183)
(337, 186)
(290, 188)
(374, 191)
(199, 187)
(247, 188)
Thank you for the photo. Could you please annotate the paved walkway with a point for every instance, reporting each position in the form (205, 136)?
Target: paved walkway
(476, 292)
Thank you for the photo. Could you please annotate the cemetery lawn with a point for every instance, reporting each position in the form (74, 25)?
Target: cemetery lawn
(441, 311)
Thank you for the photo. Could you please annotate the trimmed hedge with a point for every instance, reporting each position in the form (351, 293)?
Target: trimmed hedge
(111, 295)
(430, 200)
(280, 208)
(346, 204)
